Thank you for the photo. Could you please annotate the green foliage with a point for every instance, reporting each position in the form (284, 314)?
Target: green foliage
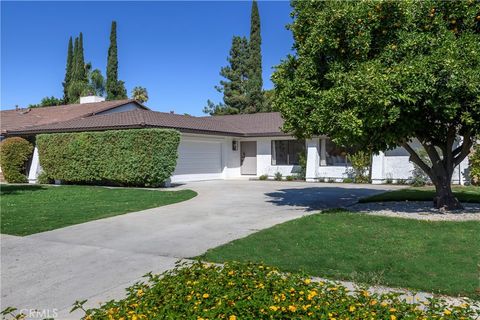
(15, 153)
(235, 99)
(255, 291)
(78, 79)
(348, 180)
(376, 74)
(361, 161)
(290, 178)
(278, 176)
(263, 177)
(255, 81)
(302, 162)
(68, 70)
(115, 88)
(44, 179)
(419, 177)
(96, 82)
(140, 94)
(143, 157)
(475, 165)
(47, 102)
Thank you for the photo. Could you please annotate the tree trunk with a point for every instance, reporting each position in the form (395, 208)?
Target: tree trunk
(444, 199)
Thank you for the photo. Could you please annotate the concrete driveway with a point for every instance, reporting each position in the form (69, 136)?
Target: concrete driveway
(97, 260)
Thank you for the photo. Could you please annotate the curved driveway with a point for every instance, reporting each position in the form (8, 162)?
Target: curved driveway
(97, 260)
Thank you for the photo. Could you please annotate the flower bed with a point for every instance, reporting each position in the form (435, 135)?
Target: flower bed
(252, 291)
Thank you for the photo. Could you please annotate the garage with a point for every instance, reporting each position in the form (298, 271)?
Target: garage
(198, 160)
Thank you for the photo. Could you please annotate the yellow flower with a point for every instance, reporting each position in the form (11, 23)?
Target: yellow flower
(205, 295)
(273, 308)
(383, 304)
(392, 317)
(365, 293)
(232, 317)
(373, 302)
(231, 273)
(307, 281)
(392, 310)
(447, 312)
(134, 317)
(352, 308)
(292, 308)
(139, 293)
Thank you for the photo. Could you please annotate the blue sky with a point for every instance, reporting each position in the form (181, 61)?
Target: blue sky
(174, 49)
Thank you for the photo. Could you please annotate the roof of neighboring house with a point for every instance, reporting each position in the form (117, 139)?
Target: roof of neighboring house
(17, 120)
(258, 124)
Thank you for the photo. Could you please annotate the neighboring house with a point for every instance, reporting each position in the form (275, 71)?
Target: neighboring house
(216, 147)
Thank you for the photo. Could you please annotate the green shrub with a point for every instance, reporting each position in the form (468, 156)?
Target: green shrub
(290, 178)
(15, 153)
(143, 157)
(278, 176)
(302, 162)
(44, 179)
(361, 161)
(263, 177)
(347, 180)
(475, 166)
(251, 291)
(402, 181)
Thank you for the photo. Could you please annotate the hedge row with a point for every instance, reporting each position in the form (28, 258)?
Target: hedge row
(238, 291)
(14, 155)
(140, 157)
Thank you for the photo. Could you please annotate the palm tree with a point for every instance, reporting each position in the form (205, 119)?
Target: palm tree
(140, 94)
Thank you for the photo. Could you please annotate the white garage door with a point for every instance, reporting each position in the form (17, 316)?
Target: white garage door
(199, 158)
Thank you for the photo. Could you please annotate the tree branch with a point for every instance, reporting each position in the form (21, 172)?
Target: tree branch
(465, 149)
(414, 157)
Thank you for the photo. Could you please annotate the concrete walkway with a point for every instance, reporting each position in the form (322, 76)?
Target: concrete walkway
(97, 260)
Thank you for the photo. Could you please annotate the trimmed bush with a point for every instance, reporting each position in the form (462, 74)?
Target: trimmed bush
(252, 291)
(15, 153)
(136, 157)
(278, 176)
(263, 177)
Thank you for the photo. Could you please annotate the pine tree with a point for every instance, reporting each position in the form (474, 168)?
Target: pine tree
(255, 82)
(115, 88)
(68, 70)
(235, 99)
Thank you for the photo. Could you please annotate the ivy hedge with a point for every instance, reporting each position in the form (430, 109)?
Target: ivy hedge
(136, 157)
(475, 165)
(15, 153)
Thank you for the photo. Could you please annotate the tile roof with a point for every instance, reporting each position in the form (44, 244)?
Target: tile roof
(16, 120)
(259, 124)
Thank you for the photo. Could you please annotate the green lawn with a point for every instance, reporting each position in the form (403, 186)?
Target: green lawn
(27, 209)
(464, 194)
(440, 257)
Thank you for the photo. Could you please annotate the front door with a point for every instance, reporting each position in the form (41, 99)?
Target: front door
(248, 157)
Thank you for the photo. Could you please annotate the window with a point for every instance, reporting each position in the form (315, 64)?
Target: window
(287, 152)
(336, 155)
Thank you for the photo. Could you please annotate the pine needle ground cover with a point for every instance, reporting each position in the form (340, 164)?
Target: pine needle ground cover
(28, 209)
(439, 257)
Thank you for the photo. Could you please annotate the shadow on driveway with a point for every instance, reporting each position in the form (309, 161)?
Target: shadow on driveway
(319, 198)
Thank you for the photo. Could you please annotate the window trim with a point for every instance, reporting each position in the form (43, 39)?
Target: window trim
(274, 156)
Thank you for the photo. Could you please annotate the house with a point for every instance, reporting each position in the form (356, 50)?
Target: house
(211, 147)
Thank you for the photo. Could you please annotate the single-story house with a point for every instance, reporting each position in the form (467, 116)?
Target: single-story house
(211, 147)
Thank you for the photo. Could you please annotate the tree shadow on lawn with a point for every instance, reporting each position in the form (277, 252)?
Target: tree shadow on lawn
(12, 189)
(319, 198)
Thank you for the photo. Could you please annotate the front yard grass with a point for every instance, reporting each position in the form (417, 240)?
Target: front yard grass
(439, 257)
(28, 209)
(463, 194)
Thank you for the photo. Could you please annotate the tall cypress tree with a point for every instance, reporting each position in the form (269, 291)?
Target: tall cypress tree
(115, 88)
(79, 79)
(68, 70)
(82, 74)
(255, 82)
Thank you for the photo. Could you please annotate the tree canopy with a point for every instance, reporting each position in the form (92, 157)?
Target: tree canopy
(378, 74)
(140, 94)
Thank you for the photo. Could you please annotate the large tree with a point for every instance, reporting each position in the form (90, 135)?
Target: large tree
(233, 87)
(378, 74)
(78, 82)
(68, 70)
(115, 88)
(255, 81)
